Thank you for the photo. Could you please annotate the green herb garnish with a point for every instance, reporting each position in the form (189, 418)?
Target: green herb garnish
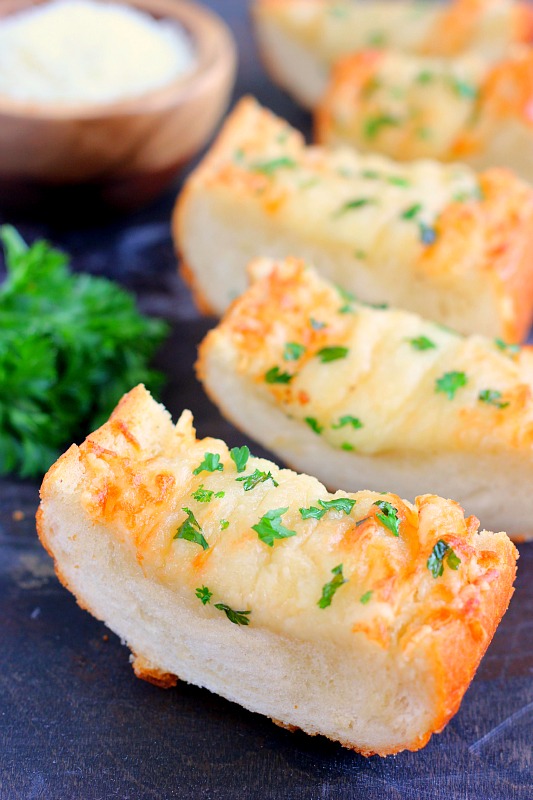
(435, 562)
(240, 456)
(293, 351)
(428, 235)
(203, 594)
(272, 166)
(275, 375)
(70, 346)
(348, 420)
(269, 528)
(351, 205)
(422, 343)
(202, 495)
(327, 354)
(492, 397)
(450, 382)
(314, 424)
(374, 125)
(224, 524)
(412, 211)
(347, 446)
(510, 349)
(337, 504)
(395, 180)
(316, 324)
(329, 589)
(464, 89)
(366, 597)
(237, 617)
(191, 530)
(251, 481)
(389, 517)
(211, 463)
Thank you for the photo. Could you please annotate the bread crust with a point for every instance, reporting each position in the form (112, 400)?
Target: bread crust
(107, 517)
(476, 273)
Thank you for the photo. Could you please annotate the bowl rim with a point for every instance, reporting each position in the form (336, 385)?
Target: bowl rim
(213, 42)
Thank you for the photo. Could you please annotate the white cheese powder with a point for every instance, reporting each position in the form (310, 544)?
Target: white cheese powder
(83, 51)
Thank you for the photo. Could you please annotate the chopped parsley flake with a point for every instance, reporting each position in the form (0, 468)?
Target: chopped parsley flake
(224, 524)
(450, 382)
(351, 205)
(464, 89)
(191, 530)
(275, 375)
(240, 456)
(492, 397)
(370, 174)
(435, 562)
(337, 504)
(424, 77)
(389, 517)
(256, 477)
(202, 495)
(428, 235)
(366, 597)
(347, 446)
(374, 125)
(348, 420)
(269, 528)
(316, 324)
(395, 180)
(211, 463)
(510, 349)
(327, 354)
(270, 167)
(314, 424)
(329, 589)
(293, 351)
(237, 617)
(412, 211)
(203, 594)
(422, 343)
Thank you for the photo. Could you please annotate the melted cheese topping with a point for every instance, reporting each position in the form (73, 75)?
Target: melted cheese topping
(395, 382)
(142, 497)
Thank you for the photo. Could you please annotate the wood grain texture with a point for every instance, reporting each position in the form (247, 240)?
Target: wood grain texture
(74, 721)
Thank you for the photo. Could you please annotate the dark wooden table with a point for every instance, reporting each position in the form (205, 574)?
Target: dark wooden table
(74, 722)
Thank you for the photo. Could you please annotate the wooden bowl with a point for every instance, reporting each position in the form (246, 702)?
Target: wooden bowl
(115, 156)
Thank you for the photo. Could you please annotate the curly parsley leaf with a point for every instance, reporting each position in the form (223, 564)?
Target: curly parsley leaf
(327, 354)
(269, 528)
(422, 343)
(211, 463)
(237, 617)
(202, 495)
(493, 398)
(191, 530)
(293, 351)
(435, 562)
(450, 382)
(203, 594)
(251, 481)
(70, 346)
(355, 422)
(240, 456)
(329, 589)
(344, 504)
(389, 516)
(314, 424)
(275, 375)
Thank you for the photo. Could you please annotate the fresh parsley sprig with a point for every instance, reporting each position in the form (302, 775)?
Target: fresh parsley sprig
(191, 530)
(269, 528)
(441, 551)
(70, 346)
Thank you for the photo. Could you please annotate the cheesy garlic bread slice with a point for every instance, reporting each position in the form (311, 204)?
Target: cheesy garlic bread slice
(300, 40)
(435, 239)
(361, 617)
(409, 107)
(360, 396)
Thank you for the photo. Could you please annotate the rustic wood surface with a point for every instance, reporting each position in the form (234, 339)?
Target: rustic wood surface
(76, 724)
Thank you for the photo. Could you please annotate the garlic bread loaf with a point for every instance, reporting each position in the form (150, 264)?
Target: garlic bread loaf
(360, 396)
(300, 40)
(361, 617)
(436, 239)
(409, 107)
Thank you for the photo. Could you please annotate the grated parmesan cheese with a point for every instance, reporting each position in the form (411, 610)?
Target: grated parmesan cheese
(79, 51)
